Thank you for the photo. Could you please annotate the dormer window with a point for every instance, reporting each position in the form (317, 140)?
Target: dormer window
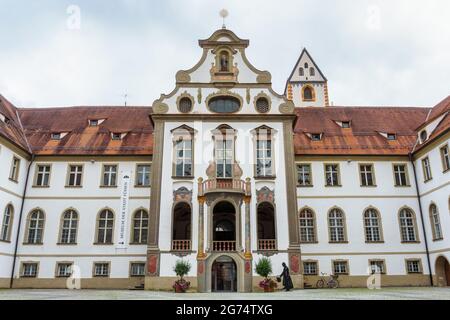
(423, 136)
(93, 123)
(3, 118)
(346, 124)
(391, 136)
(56, 136)
(316, 136)
(116, 136)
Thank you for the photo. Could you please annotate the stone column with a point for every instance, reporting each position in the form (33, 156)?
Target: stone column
(201, 220)
(247, 200)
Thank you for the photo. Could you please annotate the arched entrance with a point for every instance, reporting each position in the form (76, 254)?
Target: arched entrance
(442, 272)
(224, 227)
(224, 275)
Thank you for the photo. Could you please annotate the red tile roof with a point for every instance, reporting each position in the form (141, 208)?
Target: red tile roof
(363, 138)
(11, 130)
(82, 139)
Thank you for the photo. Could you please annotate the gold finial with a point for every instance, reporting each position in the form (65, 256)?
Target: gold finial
(224, 14)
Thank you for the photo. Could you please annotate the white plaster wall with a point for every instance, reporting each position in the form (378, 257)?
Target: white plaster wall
(319, 89)
(10, 193)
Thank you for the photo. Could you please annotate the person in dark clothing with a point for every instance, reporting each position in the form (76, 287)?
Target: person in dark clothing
(287, 281)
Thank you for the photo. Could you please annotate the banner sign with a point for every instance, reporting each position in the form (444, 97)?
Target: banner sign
(123, 216)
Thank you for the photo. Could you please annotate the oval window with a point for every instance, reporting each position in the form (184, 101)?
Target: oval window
(224, 104)
(185, 105)
(262, 105)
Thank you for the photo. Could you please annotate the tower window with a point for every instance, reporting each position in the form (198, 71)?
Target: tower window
(302, 72)
(312, 72)
(306, 65)
(308, 94)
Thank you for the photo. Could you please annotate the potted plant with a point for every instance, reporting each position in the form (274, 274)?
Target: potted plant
(264, 269)
(181, 269)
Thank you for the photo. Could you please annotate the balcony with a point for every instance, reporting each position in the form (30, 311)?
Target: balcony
(224, 185)
(267, 244)
(181, 245)
(224, 246)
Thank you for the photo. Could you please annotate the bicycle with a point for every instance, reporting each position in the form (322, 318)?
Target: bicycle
(332, 281)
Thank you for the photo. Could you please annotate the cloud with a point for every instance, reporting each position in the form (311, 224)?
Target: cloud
(373, 52)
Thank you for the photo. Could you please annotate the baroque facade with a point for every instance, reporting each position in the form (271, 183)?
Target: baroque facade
(221, 172)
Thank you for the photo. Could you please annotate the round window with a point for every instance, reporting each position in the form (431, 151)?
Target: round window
(423, 135)
(224, 104)
(262, 105)
(185, 105)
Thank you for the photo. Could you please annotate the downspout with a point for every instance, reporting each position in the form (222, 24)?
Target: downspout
(421, 217)
(20, 222)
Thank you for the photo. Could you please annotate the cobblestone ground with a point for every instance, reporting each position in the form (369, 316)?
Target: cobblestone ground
(339, 294)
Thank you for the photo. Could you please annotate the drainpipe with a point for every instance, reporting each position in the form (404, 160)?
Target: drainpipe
(20, 223)
(421, 217)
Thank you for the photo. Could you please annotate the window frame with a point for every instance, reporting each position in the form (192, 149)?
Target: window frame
(347, 267)
(435, 222)
(180, 134)
(60, 263)
(344, 227)
(419, 265)
(102, 177)
(27, 229)
(38, 172)
(141, 228)
(445, 158)
(69, 172)
(94, 269)
(311, 184)
(97, 228)
(426, 169)
(312, 228)
(313, 93)
(15, 169)
(379, 226)
(407, 182)
(415, 227)
(71, 229)
(23, 267)
(5, 236)
(372, 173)
(136, 182)
(315, 262)
(131, 269)
(383, 264)
(225, 133)
(267, 135)
(338, 174)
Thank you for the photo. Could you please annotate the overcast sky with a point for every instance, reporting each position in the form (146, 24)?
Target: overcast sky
(373, 52)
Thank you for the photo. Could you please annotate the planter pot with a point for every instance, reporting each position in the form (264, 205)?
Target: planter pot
(269, 289)
(179, 290)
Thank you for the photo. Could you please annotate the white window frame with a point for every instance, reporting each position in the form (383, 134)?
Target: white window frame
(69, 232)
(75, 170)
(110, 175)
(302, 173)
(43, 172)
(372, 226)
(332, 172)
(399, 169)
(426, 166)
(142, 170)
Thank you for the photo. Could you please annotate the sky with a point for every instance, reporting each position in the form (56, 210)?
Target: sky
(93, 52)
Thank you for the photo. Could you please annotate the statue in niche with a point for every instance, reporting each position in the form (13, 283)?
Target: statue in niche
(224, 62)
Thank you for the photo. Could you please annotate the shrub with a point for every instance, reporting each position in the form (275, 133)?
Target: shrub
(264, 267)
(182, 268)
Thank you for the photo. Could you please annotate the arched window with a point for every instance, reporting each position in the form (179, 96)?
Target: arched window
(140, 227)
(181, 233)
(7, 223)
(372, 226)
(336, 225)
(224, 61)
(301, 71)
(266, 227)
(408, 225)
(69, 227)
(105, 227)
(435, 223)
(306, 65)
(312, 72)
(308, 93)
(35, 228)
(307, 222)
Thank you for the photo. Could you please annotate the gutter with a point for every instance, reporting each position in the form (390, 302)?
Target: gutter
(20, 222)
(421, 217)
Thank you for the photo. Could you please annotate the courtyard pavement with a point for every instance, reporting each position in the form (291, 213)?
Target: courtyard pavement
(312, 294)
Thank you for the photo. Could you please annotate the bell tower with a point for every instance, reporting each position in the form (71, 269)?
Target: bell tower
(307, 86)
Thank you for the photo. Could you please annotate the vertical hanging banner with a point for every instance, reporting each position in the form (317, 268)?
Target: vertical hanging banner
(123, 216)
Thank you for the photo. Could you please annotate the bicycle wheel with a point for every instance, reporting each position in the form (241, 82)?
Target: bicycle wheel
(320, 284)
(333, 284)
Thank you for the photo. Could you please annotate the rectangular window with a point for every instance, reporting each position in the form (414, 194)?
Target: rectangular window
(316, 136)
(29, 270)
(64, 270)
(15, 166)
(75, 176)
(183, 157)
(109, 176)
(413, 266)
(137, 269)
(224, 158)
(264, 158)
(426, 169)
(143, 175)
(377, 266)
(445, 158)
(340, 267)
(332, 175)
(401, 175)
(367, 175)
(304, 175)
(310, 268)
(42, 175)
(101, 269)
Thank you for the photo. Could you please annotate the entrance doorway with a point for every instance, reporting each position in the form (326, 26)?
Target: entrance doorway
(442, 272)
(224, 275)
